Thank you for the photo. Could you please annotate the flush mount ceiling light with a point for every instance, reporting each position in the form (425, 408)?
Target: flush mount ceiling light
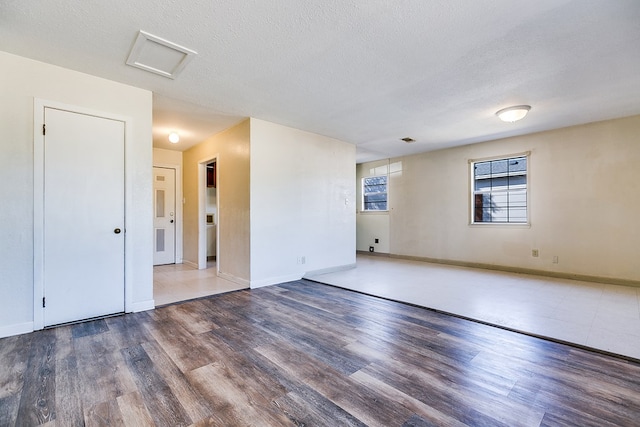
(159, 56)
(513, 114)
(174, 138)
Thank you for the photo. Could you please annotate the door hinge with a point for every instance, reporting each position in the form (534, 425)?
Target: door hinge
(44, 130)
(42, 302)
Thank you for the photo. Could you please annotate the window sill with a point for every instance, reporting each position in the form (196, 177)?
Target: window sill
(500, 224)
(374, 212)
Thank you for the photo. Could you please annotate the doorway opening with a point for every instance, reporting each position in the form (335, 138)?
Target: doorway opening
(211, 212)
(189, 280)
(208, 209)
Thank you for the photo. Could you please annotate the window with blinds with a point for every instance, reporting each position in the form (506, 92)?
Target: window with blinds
(374, 193)
(500, 191)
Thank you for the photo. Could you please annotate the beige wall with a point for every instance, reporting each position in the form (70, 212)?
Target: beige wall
(22, 81)
(584, 184)
(231, 147)
(162, 157)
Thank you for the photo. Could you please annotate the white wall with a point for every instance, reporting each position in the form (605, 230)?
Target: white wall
(584, 184)
(22, 80)
(302, 203)
(173, 159)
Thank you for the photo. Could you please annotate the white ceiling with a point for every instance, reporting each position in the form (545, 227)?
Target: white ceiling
(368, 72)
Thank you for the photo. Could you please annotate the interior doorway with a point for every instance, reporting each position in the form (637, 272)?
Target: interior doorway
(184, 281)
(209, 208)
(211, 212)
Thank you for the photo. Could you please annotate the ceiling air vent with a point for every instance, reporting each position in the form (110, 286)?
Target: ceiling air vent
(408, 140)
(159, 56)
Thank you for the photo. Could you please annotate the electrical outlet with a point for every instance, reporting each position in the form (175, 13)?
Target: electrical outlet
(370, 248)
(555, 259)
(534, 253)
(303, 260)
(376, 241)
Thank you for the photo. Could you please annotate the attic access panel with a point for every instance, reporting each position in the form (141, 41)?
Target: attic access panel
(157, 55)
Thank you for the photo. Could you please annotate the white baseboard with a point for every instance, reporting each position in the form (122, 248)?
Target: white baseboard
(293, 277)
(190, 264)
(234, 279)
(16, 329)
(330, 270)
(274, 280)
(143, 306)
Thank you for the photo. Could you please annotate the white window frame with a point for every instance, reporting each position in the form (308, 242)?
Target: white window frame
(473, 192)
(362, 186)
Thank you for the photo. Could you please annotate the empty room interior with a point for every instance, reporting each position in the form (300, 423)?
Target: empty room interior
(320, 213)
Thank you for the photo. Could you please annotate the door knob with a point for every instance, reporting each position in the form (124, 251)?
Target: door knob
(117, 231)
(171, 221)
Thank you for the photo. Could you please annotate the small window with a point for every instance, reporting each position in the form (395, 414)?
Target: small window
(500, 191)
(374, 193)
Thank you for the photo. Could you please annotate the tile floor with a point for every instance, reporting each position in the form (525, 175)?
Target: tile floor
(601, 316)
(180, 282)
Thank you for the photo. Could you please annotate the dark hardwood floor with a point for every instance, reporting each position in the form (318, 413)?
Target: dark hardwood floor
(305, 354)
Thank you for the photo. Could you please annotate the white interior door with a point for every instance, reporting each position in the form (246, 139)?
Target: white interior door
(164, 216)
(83, 224)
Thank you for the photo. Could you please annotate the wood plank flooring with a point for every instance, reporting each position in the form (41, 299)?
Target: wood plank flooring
(306, 354)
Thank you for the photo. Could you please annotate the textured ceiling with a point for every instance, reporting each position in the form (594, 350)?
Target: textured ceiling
(368, 72)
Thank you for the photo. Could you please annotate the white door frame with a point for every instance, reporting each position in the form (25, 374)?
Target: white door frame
(179, 204)
(202, 212)
(39, 106)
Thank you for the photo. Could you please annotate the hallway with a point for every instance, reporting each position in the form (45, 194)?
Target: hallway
(180, 282)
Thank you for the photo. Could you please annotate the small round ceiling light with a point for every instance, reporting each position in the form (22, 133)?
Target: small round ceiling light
(513, 114)
(174, 138)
